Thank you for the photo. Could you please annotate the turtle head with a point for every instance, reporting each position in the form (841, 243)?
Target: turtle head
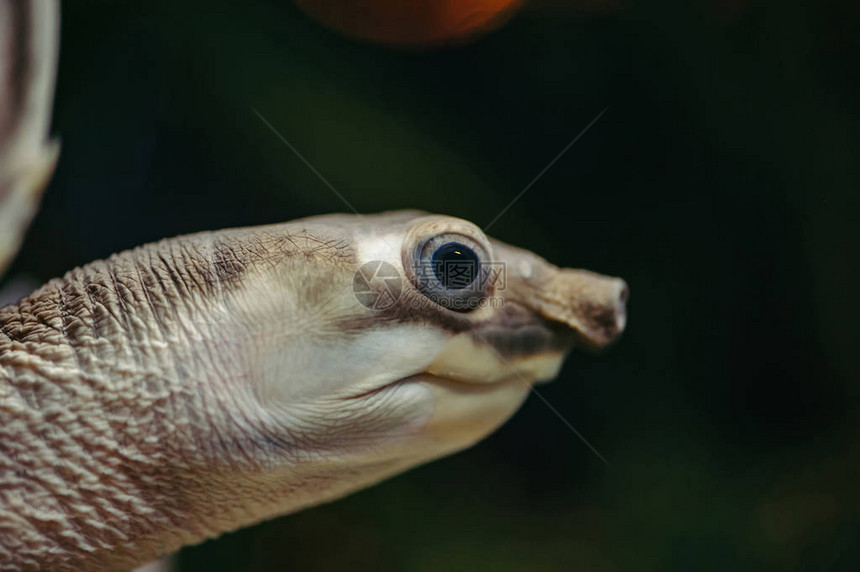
(385, 341)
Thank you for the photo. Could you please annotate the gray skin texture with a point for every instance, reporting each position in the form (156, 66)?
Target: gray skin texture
(207, 382)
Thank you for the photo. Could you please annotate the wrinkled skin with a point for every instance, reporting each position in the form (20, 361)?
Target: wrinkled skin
(204, 383)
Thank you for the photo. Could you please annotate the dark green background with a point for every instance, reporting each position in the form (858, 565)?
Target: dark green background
(721, 183)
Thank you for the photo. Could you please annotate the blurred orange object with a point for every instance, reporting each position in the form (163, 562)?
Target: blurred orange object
(411, 22)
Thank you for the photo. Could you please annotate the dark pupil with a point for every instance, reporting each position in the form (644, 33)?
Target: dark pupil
(455, 265)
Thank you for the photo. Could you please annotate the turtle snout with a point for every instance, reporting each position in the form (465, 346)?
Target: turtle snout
(594, 306)
(597, 307)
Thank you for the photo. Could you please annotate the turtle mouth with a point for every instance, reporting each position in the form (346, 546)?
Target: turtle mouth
(474, 362)
(468, 360)
(468, 385)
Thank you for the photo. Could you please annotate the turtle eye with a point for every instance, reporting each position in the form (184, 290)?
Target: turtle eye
(447, 269)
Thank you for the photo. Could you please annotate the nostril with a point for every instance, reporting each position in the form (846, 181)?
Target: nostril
(623, 294)
(621, 307)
